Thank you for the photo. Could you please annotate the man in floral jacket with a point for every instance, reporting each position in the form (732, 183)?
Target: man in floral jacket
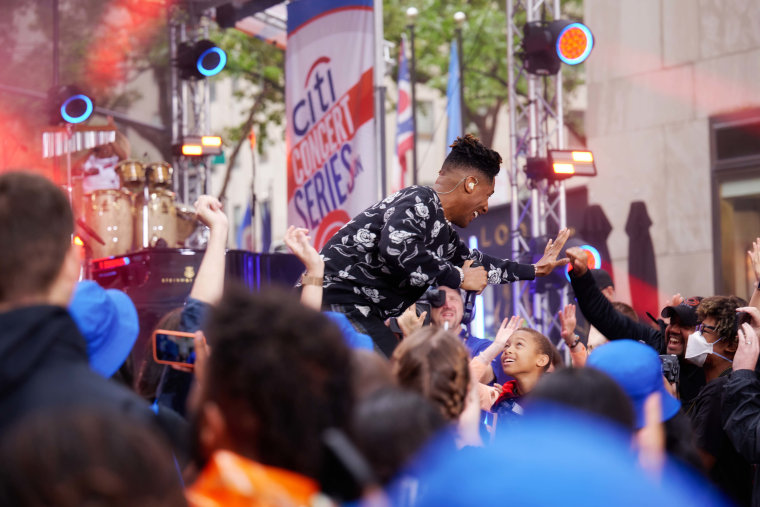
(384, 259)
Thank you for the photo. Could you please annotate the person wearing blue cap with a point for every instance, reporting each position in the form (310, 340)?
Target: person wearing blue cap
(108, 322)
(638, 370)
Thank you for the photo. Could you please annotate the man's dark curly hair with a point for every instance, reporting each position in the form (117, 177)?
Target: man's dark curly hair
(723, 310)
(281, 375)
(468, 152)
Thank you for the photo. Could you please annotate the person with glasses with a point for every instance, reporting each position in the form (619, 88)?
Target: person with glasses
(712, 347)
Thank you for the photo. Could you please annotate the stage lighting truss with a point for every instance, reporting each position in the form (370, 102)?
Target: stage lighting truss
(546, 46)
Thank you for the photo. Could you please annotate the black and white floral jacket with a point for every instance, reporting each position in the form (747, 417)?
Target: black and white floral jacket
(384, 259)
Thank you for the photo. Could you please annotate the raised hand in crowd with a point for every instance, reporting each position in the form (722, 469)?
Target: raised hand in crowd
(675, 300)
(747, 350)
(299, 242)
(209, 282)
(208, 209)
(754, 259)
(548, 262)
(475, 279)
(409, 321)
(568, 321)
(480, 365)
(579, 260)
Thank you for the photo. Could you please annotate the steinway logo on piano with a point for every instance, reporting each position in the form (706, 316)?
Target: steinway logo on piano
(187, 276)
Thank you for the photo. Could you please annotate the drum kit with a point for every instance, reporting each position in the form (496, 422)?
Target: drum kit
(143, 213)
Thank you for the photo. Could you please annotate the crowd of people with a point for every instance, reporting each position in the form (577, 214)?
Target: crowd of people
(341, 391)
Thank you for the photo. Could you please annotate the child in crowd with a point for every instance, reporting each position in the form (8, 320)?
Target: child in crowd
(526, 357)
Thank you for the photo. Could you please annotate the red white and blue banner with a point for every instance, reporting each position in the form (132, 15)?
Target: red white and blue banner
(404, 125)
(330, 119)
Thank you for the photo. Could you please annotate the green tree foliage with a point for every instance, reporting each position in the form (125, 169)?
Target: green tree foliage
(484, 50)
(259, 68)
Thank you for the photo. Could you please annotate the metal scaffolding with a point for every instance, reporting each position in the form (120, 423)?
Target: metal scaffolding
(538, 208)
(190, 105)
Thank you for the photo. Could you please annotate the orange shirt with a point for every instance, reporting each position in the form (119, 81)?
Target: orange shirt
(230, 480)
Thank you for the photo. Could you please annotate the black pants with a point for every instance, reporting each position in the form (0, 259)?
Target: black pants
(384, 339)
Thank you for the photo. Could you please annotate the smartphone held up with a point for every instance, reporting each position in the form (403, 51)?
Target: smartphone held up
(174, 348)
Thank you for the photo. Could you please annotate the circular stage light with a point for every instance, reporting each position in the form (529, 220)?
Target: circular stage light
(76, 108)
(211, 61)
(574, 43)
(594, 260)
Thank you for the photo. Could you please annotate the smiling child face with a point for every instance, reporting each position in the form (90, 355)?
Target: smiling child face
(522, 354)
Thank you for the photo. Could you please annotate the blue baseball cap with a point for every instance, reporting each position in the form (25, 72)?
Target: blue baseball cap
(554, 456)
(108, 321)
(638, 370)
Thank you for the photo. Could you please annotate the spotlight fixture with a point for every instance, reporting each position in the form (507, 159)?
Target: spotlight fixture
(561, 164)
(200, 59)
(69, 104)
(546, 45)
(199, 146)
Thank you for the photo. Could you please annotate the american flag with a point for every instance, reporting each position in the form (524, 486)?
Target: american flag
(404, 121)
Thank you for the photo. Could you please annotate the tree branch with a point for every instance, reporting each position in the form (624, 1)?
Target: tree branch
(233, 157)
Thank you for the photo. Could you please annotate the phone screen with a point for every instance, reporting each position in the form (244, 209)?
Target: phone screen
(172, 347)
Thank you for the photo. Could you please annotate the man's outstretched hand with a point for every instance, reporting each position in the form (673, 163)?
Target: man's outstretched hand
(548, 262)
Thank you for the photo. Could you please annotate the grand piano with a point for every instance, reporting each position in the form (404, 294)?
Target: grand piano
(159, 280)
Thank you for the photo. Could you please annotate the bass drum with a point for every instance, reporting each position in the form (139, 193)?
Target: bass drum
(156, 220)
(109, 213)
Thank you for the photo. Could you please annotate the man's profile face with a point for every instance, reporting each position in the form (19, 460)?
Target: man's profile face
(474, 202)
(451, 311)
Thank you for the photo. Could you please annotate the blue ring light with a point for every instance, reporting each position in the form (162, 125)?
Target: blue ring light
(216, 70)
(586, 52)
(594, 254)
(77, 119)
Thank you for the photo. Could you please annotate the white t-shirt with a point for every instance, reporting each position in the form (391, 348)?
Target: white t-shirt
(106, 177)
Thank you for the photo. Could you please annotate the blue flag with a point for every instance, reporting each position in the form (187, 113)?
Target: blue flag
(266, 226)
(453, 106)
(244, 240)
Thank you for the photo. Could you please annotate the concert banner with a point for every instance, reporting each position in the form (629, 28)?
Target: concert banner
(330, 119)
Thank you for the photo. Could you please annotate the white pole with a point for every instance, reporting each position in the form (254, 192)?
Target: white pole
(379, 85)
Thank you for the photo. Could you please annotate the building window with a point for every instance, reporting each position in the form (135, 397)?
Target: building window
(735, 146)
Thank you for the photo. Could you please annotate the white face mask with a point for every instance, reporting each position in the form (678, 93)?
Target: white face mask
(697, 349)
